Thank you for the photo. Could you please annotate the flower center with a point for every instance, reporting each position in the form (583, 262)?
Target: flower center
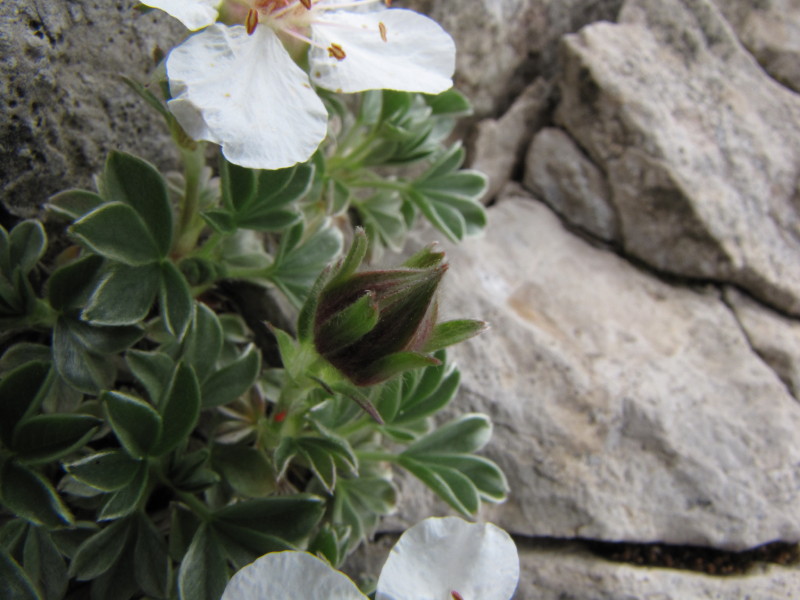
(295, 18)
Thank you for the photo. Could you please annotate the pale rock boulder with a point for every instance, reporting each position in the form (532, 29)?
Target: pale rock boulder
(775, 337)
(503, 45)
(555, 572)
(558, 172)
(770, 29)
(63, 103)
(700, 146)
(499, 145)
(624, 408)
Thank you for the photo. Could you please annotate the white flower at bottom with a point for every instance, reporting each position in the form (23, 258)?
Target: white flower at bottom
(450, 559)
(239, 87)
(437, 559)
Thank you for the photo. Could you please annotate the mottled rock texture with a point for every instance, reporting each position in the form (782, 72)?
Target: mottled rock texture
(63, 104)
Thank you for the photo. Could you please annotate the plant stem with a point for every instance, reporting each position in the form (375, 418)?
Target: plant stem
(376, 456)
(189, 222)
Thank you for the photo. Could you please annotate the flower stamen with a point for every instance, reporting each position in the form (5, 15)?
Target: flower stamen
(382, 28)
(456, 595)
(251, 21)
(336, 51)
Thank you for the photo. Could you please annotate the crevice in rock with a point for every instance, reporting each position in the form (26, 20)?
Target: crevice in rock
(710, 561)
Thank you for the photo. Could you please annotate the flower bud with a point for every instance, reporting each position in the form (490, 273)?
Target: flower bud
(375, 324)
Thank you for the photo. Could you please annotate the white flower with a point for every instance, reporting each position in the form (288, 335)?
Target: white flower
(437, 559)
(240, 87)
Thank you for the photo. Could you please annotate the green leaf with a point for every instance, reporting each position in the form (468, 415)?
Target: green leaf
(30, 496)
(136, 424)
(127, 499)
(20, 393)
(86, 371)
(44, 564)
(288, 518)
(231, 381)
(151, 561)
(179, 411)
(450, 102)
(69, 286)
(100, 552)
(245, 469)
(27, 242)
(238, 184)
(116, 231)
(108, 471)
(463, 435)
(104, 340)
(176, 300)
(138, 184)
(321, 463)
(118, 582)
(451, 486)
(73, 204)
(352, 261)
(487, 477)
(124, 296)
(423, 402)
(190, 473)
(220, 221)
(359, 502)
(295, 270)
(383, 219)
(45, 438)
(14, 583)
(153, 370)
(203, 574)
(203, 342)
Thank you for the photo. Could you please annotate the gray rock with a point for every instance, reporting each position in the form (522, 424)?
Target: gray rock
(556, 572)
(624, 408)
(775, 337)
(500, 144)
(63, 106)
(770, 29)
(503, 45)
(700, 146)
(559, 173)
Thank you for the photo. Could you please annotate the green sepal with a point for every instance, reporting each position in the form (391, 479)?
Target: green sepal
(352, 261)
(453, 332)
(348, 325)
(136, 424)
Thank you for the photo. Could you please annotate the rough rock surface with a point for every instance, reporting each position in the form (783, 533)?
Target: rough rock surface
(499, 144)
(504, 44)
(63, 105)
(700, 146)
(559, 173)
(625, 408)
(775, 337)
(770, 29)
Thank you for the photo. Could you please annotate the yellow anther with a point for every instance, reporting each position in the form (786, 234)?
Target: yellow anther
(336, 51)
(251, 21)
(382, 28)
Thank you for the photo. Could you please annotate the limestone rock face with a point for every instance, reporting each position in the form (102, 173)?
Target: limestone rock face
(63, 104)
(770, 29)
(559, 173)
(700, 146)
(625, 408)
(504, 44)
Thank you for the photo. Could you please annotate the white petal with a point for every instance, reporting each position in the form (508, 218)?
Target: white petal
(438, 556)
(417, 56)
(290, 576)
(194, 14)
(245, 93)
